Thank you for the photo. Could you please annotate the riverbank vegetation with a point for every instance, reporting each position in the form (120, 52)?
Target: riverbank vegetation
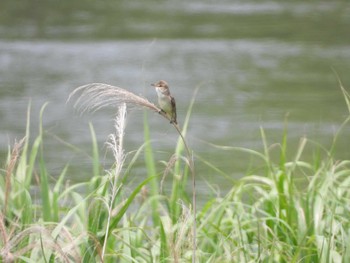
(293, 208)
(191, 20)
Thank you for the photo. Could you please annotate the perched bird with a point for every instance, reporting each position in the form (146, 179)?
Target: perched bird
(165, 100)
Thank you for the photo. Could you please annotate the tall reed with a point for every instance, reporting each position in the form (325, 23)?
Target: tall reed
(288, 207)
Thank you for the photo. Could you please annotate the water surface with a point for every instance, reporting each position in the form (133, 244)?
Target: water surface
(258, 78)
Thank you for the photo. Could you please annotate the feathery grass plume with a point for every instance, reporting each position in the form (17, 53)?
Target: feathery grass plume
(115, 143)
(63, 247)
(5, 253)
(95, 96)
(9, 169)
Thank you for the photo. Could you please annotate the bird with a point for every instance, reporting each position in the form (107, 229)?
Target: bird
(165, 100)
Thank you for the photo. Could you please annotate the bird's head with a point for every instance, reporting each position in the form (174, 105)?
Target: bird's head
(161, 86)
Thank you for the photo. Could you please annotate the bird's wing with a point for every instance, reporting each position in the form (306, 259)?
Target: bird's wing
(173, 105)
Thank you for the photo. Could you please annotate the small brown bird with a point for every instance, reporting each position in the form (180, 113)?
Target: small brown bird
(165, 100)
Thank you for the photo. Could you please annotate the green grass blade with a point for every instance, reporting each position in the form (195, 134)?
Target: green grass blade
(95, 153)
(178, 188)
(21, 173)
(128, 202)
(151, 169)
(44, 182)
(56, 193)
(32, 159)
(164, 251)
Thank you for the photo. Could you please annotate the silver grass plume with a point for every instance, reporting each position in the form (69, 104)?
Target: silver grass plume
(95, 96)
(115, 140)
(115, 143)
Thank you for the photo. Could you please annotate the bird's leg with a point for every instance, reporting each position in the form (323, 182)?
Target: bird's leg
(161, 111)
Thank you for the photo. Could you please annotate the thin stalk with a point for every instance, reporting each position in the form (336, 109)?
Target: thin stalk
(194, 203)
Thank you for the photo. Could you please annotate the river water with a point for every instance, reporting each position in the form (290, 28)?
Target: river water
(245, 83)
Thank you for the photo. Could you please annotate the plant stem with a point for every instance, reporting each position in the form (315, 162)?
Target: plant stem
(191, 165)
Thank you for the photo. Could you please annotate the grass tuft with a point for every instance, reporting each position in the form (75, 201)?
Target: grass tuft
(285, 209)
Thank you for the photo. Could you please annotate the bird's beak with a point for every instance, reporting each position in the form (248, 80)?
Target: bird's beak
(152, 84)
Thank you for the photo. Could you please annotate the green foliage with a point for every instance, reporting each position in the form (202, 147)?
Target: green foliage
(286, 210)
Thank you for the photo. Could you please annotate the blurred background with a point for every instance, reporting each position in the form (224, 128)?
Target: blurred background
(259, 64)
